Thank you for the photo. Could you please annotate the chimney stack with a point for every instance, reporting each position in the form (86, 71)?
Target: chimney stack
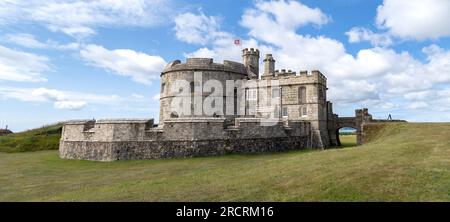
(269, 65)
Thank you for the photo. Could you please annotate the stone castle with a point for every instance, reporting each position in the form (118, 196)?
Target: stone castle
(279, 110)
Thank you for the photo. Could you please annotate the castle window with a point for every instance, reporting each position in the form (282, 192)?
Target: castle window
(235, 101)
(192, 85)
(276, 92)
(302, 94)
(276, 112)
(285, 112)
(252, 95)
(304, 111)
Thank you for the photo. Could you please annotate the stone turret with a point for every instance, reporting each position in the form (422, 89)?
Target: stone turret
(251, 61)
(269, 65)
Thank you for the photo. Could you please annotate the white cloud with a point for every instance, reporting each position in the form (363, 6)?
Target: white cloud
(30, 41)
(80, 18)
(198, 29)
(358, 34)
(140, 67)
(274, 21)
(23, 39)
(417, 105)
(22, 66)
(72, 105)
(415, 19)
(60, 99)
(289, 15)
(366, 91)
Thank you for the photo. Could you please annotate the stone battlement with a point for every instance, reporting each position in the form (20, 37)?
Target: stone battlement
(205, 64)
(303, 76)
(250, 51)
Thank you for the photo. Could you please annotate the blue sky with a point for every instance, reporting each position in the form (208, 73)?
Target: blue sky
(64, 59)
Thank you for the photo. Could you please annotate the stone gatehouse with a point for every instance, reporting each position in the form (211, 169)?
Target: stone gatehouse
(275, 111)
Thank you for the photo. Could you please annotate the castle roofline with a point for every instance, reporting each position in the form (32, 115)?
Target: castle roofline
(207, 64)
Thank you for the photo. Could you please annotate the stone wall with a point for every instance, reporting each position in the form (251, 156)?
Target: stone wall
(109, 140)
(207, 70)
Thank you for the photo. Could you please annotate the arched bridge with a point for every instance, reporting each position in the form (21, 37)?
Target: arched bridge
(346, 122)
(362, 117)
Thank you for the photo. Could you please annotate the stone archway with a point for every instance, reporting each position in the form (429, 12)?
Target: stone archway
(349, 122)
(362, 117)
(342, 138)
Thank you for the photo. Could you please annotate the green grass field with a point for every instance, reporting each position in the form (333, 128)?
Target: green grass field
(45, 138)
(402, 162)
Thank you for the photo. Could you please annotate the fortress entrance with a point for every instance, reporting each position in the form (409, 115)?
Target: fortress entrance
(362, 117)
(346, 137)
(345, 124)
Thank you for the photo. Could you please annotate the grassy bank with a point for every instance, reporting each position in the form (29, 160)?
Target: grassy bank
(44, 138)
(404, 162)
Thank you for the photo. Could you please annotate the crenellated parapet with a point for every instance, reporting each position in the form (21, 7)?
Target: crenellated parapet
(205, 64)
(250, 51)
(302, 77)
(284, 72)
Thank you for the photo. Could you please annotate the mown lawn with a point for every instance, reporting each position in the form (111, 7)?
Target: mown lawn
(404, 162)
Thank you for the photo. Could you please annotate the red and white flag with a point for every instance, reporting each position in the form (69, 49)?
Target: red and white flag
(237, 42)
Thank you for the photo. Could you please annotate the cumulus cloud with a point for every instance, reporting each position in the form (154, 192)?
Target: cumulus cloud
(80, 18)
(358, 34)
(23, 39)
(140, 67)
(415, 19)
(72, 105)
(198, 29)
(289, 15)
(22, 66)
(61, 99)
(29, 41)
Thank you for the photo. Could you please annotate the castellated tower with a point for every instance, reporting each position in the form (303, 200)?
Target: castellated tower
(269, 65)
(250, 58)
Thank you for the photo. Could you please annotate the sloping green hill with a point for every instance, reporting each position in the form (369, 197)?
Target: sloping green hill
(403, 162)
(44, 138)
